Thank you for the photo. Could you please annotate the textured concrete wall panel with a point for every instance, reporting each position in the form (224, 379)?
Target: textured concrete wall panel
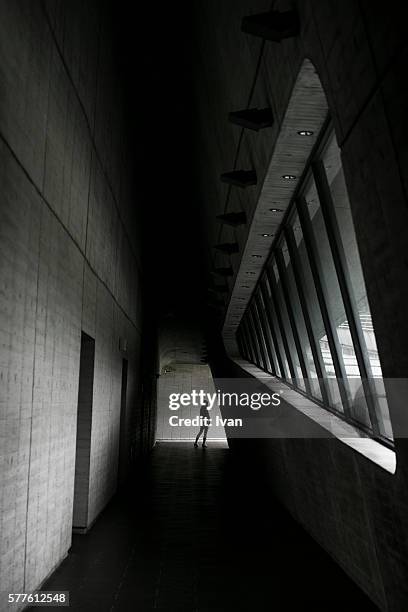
(66, 265)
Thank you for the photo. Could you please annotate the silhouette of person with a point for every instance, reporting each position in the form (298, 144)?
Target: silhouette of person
(205, 423)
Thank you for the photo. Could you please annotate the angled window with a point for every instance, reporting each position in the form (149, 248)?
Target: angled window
(310, 322)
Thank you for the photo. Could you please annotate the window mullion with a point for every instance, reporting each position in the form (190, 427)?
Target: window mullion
(251, 356)
(251, 328)
(238, 338)
(263, 322)
(244, 342)
(262, 357)
(263, 335)
(298, 346)
(272, 328)
(281, 326)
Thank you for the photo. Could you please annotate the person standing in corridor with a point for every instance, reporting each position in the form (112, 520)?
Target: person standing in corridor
(205, 422)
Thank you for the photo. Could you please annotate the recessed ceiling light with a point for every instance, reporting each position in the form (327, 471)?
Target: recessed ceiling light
(276, 209)
(266, 235)
(305, 133)
(257, 256)
(289, 177)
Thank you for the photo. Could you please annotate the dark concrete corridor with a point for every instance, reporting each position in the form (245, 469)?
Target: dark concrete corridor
(204, 199)
(197, 534)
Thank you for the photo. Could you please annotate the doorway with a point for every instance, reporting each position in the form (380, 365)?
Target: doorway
(84, 430)
(123, 439)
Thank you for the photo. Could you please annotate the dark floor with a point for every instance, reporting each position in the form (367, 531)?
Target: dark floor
(196, 535)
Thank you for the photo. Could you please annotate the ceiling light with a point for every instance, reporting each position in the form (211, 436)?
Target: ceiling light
(276, 209)
(305, 133)
(267, 235)
(257, 256)
(289, 177)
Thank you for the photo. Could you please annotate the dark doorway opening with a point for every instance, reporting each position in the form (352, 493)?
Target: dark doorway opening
(123, 439)
(84, 430)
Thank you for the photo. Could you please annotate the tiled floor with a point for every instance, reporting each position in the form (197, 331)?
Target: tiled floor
(196, 534)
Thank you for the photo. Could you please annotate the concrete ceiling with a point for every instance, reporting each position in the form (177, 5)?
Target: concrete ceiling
(180, 342)
(307, 110)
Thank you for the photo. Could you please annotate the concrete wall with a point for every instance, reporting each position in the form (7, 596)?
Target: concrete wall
(356, 510)
(68, 262)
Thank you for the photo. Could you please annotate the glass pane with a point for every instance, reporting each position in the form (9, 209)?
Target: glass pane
(316, 318)
(261, 360)
(242, 343)
(286, 324)
(269, 338)
(335, 175)
(335, 306)
(286, 374)
(300, 323)
(258, 355)
(262, 336)
(238, 341)
(249, 338)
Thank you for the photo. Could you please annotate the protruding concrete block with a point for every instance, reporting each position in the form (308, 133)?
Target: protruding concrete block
(224, 271)
(233, 218)
(252, 118)
(215, 304)
(240, 178)
(273, 25)
(222, 288)
(228, 247)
